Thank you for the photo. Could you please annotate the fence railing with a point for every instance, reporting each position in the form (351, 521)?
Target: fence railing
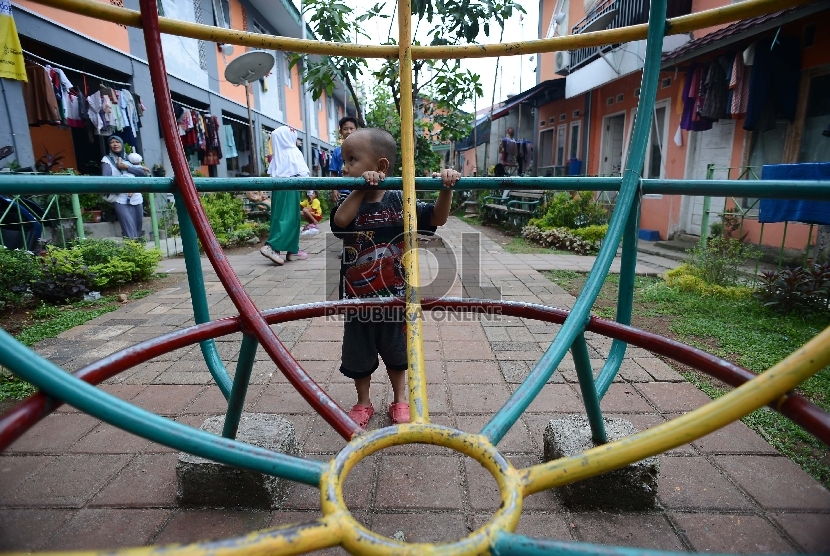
(31, 221)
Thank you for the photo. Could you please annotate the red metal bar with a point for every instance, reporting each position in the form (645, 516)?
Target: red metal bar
(794, 406)
(256, 325)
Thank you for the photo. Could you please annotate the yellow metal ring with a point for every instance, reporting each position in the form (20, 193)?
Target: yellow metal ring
(359, 540)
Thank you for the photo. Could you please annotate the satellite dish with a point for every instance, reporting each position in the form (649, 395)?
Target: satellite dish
(602, 21)
(249, 67)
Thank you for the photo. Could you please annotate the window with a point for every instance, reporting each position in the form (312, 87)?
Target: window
(562, 117)
(330, 105)
(289, 79)
(655, 163)
(560, 145)
(665, 83)
(620, 97)
(221, 13)
(576, 114)
(320, 104)
(573, 145)
(542, 123)
(609, 101)
(815, 147)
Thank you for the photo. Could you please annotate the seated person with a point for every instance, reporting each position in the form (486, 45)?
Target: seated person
(311, 212)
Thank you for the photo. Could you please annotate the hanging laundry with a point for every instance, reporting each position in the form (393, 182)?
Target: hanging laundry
(739, 85)
(690, 120)
(776, 69)
(716, 89)
(39, 97)
(230, 143)
(12, 65)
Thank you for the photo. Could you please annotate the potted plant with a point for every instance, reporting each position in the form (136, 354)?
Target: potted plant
(159, 171)
(90, 207)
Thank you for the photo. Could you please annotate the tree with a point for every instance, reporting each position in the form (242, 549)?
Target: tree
(381, 114)
(439, 87)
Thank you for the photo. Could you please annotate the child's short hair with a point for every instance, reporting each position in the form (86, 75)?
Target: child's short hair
(383, 145)
(345, 119)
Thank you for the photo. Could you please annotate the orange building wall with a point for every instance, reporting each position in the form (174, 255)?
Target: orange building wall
(554, 110)
(227, 89)
(322, 119)
(545, 63)
(102, 31)
(703, 5)
(293, 111)
(55, 140)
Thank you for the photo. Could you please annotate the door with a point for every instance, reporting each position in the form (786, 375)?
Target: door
(612, 147)
(713, 146)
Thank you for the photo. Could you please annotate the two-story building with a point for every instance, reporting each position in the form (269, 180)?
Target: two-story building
(771, 71)
(100, 57)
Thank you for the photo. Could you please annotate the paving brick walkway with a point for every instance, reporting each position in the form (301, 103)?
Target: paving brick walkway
(73, 482)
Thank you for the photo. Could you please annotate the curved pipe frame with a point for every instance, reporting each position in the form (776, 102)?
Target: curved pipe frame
(335, 527)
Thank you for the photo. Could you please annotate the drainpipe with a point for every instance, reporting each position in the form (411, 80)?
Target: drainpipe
(304, 98)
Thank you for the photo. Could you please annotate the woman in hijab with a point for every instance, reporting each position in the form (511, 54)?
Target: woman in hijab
(287, 162)
(129, 207)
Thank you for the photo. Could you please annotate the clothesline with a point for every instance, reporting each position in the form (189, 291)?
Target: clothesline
(234, 120)
(183, 105)
(67, 68)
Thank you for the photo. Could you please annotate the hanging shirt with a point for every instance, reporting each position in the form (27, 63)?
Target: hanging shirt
(12, 65)
(230, 142)
(739, 85)
(39, 97)
(774, 77)
(688, 120)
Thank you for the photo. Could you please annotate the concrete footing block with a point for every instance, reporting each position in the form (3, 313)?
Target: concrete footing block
(206, 483)
(633, 487)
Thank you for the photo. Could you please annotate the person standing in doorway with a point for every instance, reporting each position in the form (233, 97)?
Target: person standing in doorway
(129, 207)
(284, 235)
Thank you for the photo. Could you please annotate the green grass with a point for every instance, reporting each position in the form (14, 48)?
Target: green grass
(741, 331)
(54, 321)
(472, 220)
(521, 246)
(139, 294)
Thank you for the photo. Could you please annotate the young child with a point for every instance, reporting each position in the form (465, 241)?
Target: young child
(311, 212)
(370, 223)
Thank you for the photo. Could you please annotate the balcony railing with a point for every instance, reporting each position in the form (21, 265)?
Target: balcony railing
(629, 12)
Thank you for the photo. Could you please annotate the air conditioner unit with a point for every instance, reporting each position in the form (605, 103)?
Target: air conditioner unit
(561, 62)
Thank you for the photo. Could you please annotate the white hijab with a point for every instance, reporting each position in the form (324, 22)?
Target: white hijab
(287, 160)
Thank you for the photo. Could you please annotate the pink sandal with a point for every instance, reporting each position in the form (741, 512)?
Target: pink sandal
(299, 255)
(361, 414)
(399, 413)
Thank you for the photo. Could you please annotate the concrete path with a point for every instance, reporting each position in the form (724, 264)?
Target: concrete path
(75, 483)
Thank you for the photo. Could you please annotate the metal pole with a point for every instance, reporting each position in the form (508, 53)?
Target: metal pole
(707, 205)
(76, 208)
(254, 153)
(154, 220)
(304, 99)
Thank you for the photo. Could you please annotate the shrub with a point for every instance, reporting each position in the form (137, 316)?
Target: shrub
(572, 211)
(144, 260)
(684, 279)
(224, 211)
(718, 263)
(114, 272)
(64, 277)
(17, 269)
(592, 234)
(559, 238)
(802, 289)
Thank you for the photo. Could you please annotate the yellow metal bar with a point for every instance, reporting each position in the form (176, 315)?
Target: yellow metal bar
(418, 409)
(758, 392)
(290, 539)
(169, 26)
(677, 26)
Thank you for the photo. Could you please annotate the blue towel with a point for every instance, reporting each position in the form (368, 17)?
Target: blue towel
(789, 210)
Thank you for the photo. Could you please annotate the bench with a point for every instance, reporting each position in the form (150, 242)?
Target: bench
(513, 206)
(255, 210)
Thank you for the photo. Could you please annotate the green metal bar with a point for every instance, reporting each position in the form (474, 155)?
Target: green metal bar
(625, 299)
(236, 401)
(79, 221)
(60, 221)
(789, 189)
(582, 362)
(511, 544)
(198, 297)
(154, 220)
(707, 206)
(57, 383)
(629, 190)
(781, 251)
